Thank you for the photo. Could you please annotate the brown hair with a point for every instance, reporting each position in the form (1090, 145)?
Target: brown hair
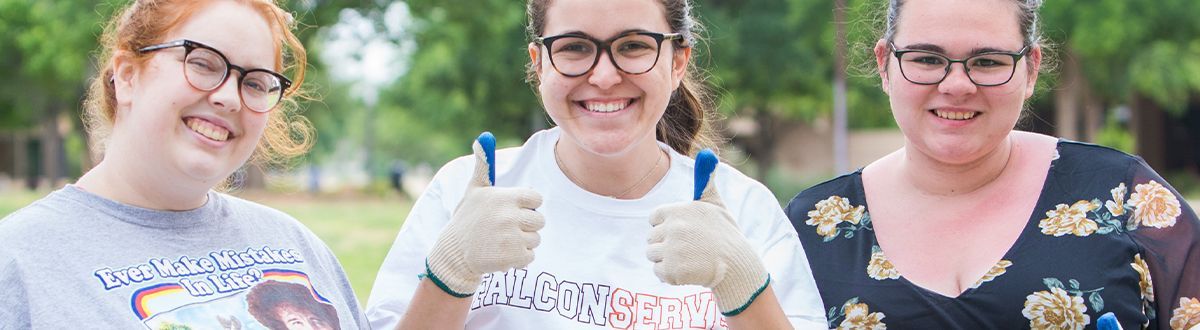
(265, 298)
(1027, 19)
(145, 22)
(686, 126)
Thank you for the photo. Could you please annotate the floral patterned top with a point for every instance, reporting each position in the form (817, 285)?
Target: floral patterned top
(1107, 235)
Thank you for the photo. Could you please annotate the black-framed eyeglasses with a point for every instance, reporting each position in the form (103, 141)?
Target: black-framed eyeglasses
(985, 69)
(575, 54)
(206, 69)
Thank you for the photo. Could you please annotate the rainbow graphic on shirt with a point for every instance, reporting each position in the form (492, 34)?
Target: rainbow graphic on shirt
(159, 298)
(156, 298)
(285, 275)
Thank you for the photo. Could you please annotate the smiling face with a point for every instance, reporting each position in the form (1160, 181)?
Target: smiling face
(295, 318)
(607, 111)
(176, 133)
(956, 121)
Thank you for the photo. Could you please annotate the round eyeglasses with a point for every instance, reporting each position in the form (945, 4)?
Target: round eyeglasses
(575, 54)
(987, 69)
(207, 69)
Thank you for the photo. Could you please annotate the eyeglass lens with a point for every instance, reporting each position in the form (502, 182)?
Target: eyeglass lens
(206, 70)
(984, 69)
(634, 53)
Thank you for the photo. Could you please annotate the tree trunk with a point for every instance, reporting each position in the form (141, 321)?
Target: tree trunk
(1093, 115)
(21, 169)
(841, 157)
(768, 134)
(1067, 98)
(1148, 122)
(86, 161)
(52, 147)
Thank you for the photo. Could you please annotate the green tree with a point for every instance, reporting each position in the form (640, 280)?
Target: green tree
(48, 46)
(466, 75)
(773, 62)
(1117, 52)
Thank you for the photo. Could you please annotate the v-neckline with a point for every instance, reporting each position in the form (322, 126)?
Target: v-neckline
(1030, 224)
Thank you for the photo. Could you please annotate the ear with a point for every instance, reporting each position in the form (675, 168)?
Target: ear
(1035, 65)
(535, 57)
(882, 58)
(679, 64)
(125, 73)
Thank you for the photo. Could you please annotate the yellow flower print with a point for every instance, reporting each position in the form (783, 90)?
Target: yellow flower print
(1154, 205)
(1070, 220)
(858, 316)
(831, 212)
(1144, 271)
(999, 269)
(1187, 315)
(879, 267)
(1116, 206)
(1055, 309)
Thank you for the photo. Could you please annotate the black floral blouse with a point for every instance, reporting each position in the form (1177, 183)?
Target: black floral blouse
(1107, 235)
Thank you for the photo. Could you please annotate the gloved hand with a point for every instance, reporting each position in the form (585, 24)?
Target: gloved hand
(1108, 321)
(699, 243)
(492, 229)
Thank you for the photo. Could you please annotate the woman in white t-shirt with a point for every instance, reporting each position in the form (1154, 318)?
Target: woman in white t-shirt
(605, 200)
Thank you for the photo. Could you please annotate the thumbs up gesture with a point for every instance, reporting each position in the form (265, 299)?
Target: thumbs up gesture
(699, 243)
(492, 229)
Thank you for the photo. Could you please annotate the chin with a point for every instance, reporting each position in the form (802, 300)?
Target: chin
(957, 152)
(607, 143)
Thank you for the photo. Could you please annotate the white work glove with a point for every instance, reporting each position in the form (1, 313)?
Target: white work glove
(492, 229)
(699, 243)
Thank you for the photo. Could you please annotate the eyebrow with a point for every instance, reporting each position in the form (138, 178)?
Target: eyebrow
(626, 31)
(940, 50)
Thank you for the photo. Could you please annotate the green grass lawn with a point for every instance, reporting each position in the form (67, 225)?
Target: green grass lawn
(12, 200)
(360, 230)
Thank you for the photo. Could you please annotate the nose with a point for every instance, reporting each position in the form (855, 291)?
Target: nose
(957, 82)
(605, 74)
(227, 96)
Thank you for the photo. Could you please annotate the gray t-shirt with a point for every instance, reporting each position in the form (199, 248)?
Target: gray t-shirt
(77, 260)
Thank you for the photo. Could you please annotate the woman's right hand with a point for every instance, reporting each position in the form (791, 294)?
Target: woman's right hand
(492, 229)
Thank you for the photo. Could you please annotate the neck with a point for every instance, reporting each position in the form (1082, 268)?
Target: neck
(131, 186)
(932, 177)
(629, 175)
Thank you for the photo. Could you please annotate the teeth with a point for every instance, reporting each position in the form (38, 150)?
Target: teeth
(207, 129)
(605, 106)
(954, 115)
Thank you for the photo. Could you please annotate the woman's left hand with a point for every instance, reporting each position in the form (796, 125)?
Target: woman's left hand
(698, 243)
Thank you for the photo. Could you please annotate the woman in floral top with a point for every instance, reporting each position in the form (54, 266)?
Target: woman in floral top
(975, 226)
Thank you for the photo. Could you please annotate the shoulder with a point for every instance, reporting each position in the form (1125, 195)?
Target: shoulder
(1078, 156)
(237, 204)
(37, 218)
(846, 186)
(263, 217)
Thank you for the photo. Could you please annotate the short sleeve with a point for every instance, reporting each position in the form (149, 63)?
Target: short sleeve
(1168, 232)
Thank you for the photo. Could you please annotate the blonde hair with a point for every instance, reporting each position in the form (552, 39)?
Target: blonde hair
(145, 22)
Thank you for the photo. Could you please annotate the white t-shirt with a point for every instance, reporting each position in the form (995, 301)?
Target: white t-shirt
(591, 268)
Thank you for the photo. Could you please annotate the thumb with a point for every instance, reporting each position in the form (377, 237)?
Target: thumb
(1108, 321)
(485, 161)
(706, 165)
